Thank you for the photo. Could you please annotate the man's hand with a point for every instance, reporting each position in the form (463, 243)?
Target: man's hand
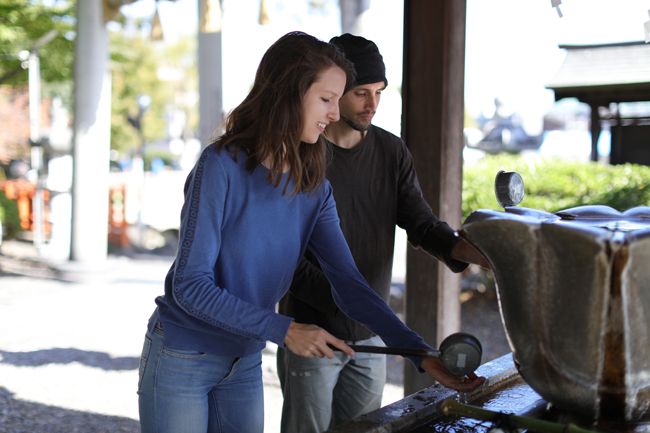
(435, 368)
(310, 341)
(465, 252)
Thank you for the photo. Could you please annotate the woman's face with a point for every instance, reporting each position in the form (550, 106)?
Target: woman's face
(321, 103)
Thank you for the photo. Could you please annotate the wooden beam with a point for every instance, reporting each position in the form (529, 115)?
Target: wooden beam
(432, 126)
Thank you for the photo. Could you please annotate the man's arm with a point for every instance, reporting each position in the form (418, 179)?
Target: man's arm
(424, 229)
(311, 286)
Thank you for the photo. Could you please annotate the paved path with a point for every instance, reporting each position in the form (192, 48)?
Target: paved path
(72, 341)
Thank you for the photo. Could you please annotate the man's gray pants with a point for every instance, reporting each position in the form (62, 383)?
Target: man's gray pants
(322, 393)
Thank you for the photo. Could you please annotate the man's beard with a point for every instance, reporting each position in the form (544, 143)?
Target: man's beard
(361, 127)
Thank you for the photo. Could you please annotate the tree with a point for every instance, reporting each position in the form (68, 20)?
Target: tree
(25, 26)
(182, 58)
(22, 23)
(166, 73)
(134, 66)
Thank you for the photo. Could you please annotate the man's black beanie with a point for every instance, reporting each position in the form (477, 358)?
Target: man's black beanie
(365, 57)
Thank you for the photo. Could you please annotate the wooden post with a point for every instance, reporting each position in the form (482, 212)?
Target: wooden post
(432, 126)
(595, 130)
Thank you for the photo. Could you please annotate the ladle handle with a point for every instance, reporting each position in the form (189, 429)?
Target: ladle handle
(394, 351)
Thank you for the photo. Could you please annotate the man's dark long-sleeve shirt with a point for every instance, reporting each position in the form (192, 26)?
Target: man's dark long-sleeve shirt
(375, 188)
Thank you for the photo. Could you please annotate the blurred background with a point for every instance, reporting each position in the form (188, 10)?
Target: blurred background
(514, 51)
(102, 118)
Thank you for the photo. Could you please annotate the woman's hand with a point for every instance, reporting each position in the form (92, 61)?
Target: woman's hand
(436, 369)
(310, 341)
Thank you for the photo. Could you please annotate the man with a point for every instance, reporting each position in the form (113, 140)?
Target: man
(375, 188)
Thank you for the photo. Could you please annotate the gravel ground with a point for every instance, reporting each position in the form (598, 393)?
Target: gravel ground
(70, 345)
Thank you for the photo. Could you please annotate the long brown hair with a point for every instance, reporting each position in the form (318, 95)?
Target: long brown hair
(268, 124)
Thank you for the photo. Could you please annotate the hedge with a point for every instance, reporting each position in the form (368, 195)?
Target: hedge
(553, 184)
(9, 217)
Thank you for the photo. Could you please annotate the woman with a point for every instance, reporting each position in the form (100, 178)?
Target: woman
(254, 202)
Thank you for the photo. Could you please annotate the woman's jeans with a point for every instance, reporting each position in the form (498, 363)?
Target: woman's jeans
(185, 391)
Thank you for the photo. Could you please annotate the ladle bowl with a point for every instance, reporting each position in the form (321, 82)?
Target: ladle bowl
(460, 353)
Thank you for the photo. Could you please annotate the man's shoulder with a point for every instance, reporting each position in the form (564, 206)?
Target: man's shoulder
(386, 140)
(380, 134)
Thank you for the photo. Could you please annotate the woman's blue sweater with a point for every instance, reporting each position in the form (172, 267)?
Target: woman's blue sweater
(239, 244)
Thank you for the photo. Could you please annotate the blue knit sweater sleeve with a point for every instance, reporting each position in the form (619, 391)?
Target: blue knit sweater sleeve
(202, 288)
(351, 291)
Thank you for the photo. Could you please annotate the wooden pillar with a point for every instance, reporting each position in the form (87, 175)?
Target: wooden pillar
(595, 130)
(616, 155)
(432, 126)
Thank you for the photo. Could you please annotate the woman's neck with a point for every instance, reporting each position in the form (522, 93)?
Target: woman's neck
(268, 161)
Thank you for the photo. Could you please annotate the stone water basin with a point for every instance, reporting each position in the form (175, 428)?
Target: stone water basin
(574, 294)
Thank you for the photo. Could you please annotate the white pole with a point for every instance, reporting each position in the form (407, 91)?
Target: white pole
(34, 77)
(91, 143)
(34, 96)
(210, 71)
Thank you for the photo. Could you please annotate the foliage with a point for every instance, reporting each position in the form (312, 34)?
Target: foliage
(22, 23)
(133, 67)
(469, 121)
(183, 56)
(167, 157)
(555, 184)
(9, 217)
(136, 63)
